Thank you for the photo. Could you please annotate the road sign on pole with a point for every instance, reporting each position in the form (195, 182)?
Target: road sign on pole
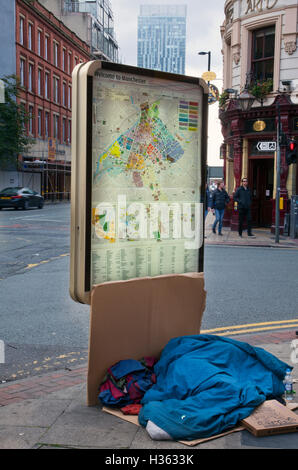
(266, 146)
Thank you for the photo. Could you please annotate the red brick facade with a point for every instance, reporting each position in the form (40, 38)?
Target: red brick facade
(46, 53)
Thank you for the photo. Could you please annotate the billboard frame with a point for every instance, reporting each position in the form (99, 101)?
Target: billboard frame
(81, 150)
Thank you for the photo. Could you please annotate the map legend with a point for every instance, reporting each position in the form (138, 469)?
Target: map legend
(188, 115)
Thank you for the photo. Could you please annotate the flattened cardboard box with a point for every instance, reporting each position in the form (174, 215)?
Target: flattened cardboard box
(134, 420)
(136, 318)
(271, 418)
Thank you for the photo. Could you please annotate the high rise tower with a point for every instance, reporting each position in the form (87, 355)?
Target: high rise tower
(161, 37)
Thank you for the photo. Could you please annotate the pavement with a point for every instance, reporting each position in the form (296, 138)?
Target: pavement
(262, 237)
(49, 411)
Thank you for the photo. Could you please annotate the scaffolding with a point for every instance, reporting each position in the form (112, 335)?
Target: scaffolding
(55, 177)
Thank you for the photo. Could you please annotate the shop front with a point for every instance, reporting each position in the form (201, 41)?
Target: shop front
(250, 150)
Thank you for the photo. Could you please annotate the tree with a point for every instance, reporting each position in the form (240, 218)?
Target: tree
(13, 118)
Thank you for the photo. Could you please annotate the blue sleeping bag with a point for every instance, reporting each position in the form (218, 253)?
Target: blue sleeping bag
(205, 384)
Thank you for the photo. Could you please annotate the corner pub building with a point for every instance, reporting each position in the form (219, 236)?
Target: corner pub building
(260, 56)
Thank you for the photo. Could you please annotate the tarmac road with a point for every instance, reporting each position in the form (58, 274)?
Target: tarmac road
(45, 330)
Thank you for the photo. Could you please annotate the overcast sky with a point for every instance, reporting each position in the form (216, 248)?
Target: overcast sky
(204, 18)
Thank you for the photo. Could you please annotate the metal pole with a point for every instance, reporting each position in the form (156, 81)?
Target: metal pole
(277, 196)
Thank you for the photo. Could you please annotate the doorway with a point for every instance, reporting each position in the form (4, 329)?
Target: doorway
(261, 180)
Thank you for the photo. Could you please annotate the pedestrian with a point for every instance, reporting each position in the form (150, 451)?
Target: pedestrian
(207, 200)
(243, 197)
(220, 199)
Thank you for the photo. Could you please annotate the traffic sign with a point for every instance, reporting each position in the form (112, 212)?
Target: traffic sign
(266, 146)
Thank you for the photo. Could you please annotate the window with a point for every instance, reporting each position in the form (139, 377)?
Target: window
(56, 89)
(39, 43)
(263, 53)
(39, 122)
(69, 62)
(31, 120)
(30, 36)
(22, 72)
(30, 77)
(64, 130)
(64, 95)
(39, 82)
(21, 31)
(46, 47)
(56, 126)
(55, 53)
(64, 60)
(47, 124)
(69, 132)
(47, 85)
(69, 96)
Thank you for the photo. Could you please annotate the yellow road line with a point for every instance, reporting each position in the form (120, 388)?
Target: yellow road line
(248, 325)
(230, 330)
(30, 266)
(228, 333)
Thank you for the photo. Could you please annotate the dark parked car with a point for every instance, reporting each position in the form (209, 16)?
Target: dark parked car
(20, 198)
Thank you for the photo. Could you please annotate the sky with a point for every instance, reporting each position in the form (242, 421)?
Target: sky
(203, 22)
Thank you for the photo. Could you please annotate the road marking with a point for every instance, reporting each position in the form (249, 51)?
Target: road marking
(33, 265)
(229, 333)
(262, 326)
(41, 219)
(51, 362)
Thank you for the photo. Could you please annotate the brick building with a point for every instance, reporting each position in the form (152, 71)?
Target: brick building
(46, 53)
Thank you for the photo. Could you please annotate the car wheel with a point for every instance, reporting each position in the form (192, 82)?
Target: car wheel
(25, 205)
(40, 205)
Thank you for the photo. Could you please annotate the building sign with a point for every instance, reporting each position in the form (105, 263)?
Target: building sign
(266, 146)
(137, 175)
(257, 6)
(260, 125)
(51, 149)
(213, 94)
(208, 76)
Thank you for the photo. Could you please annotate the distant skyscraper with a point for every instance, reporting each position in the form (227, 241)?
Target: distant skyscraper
(161, 37)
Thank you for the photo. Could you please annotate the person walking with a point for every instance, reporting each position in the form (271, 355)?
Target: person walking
(207, 200)
(243, 197)
(220, 199)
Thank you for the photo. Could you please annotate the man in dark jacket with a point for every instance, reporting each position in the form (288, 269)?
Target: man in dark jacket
(243, 197)
(220, 199)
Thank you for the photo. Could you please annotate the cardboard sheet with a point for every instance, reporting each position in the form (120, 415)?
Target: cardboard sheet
(136, 318)
(134, 420)
(271, 418)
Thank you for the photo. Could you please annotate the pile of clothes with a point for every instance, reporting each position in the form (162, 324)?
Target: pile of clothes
(201, 386)
(126, 383)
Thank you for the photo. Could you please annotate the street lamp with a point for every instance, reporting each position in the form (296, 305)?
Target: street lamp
(209, 58)
(245, 100)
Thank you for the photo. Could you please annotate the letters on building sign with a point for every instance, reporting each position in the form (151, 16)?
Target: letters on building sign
(259, 5)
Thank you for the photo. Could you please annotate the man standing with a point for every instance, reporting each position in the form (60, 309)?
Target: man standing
(243, 197)
(220, 199)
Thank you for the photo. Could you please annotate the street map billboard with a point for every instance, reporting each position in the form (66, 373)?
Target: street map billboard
(138, 173)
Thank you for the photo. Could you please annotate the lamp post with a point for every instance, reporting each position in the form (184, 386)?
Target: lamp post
(277, 195)
(209, 60)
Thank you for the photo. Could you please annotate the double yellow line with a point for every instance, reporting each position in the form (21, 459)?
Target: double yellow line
(252, 327)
